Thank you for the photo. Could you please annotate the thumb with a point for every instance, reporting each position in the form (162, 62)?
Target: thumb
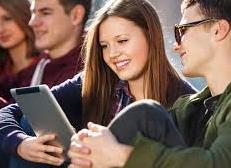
(45, 138)
(95, 127)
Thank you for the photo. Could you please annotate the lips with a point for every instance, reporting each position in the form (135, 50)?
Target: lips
(122, 64)
(4, 38)
(38, 34)
(182, 54)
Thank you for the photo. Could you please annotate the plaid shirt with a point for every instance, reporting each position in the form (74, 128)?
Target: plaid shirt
(123, 97)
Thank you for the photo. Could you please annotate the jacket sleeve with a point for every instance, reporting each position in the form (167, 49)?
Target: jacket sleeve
(11, 134)
(149, 153)
(68, 95)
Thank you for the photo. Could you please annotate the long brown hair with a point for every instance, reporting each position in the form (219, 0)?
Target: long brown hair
(99, 80)
(20, 12)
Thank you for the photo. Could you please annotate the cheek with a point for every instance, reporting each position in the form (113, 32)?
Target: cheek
(106, 58)
(143, 61)
(140, 49)
(18, 34)
(141, 55)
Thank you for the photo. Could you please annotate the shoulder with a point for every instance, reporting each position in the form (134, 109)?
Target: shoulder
(177, 88)
(189, 100)
(182, 101)
(224, 104)
(73, 84)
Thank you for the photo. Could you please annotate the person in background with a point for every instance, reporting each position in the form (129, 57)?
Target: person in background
(59, 29)
(17, 50)
(125, 62)
(203, 40)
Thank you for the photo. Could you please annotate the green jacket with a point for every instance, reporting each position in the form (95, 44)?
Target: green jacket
(214, 150)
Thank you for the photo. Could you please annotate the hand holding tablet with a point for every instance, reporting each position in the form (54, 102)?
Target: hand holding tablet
(44, 113)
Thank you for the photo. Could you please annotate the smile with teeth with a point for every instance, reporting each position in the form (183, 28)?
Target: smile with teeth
(122, 64)
(39, 34)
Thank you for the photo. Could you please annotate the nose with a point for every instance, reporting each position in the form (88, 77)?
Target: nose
(34, 21)
(176, 47)
(114, 52)
(2, 27)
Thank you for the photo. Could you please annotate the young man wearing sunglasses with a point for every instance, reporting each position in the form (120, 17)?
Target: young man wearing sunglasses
(203, 41)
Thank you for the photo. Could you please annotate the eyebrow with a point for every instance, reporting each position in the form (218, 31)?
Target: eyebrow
(121, 35)
(117, 36)
(45, 9)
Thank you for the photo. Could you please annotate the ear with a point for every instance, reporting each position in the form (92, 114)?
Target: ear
(221, 29)
(77, 15)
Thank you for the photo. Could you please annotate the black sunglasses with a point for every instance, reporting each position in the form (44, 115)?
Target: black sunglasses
(179, 30)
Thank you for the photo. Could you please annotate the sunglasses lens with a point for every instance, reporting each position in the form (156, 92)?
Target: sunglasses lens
(180, 30)
(177, 35)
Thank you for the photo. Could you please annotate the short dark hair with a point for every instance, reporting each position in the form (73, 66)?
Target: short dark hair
(69, 4)
(212, 8)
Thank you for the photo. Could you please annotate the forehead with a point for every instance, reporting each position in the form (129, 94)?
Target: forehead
(41, 4)
(114, 26)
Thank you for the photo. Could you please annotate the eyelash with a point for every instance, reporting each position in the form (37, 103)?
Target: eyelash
(46, 13)
(122, 41)
(7, 18)
(103, 46)
(119, 41)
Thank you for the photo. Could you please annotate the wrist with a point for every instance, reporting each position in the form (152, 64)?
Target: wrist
(20, 145)
(124, 152)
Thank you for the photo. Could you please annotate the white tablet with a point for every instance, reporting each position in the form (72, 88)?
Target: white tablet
(44, 113)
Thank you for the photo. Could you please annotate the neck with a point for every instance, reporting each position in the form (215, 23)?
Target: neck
(219, 76)
(136, 88)
(217, 86)
(63, 48)
(18, 57)
(218, 71)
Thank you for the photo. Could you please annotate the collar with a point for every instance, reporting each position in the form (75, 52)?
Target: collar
(122, 87)
(210, 103)
(66, 58)
(205, 93)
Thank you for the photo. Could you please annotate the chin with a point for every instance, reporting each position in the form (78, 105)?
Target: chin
(124, 77)
(190, 74)
(41, 46)
(7, 45)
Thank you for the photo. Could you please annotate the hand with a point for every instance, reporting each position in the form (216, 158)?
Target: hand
(97, 148)
(77, 148)
(36, 149)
